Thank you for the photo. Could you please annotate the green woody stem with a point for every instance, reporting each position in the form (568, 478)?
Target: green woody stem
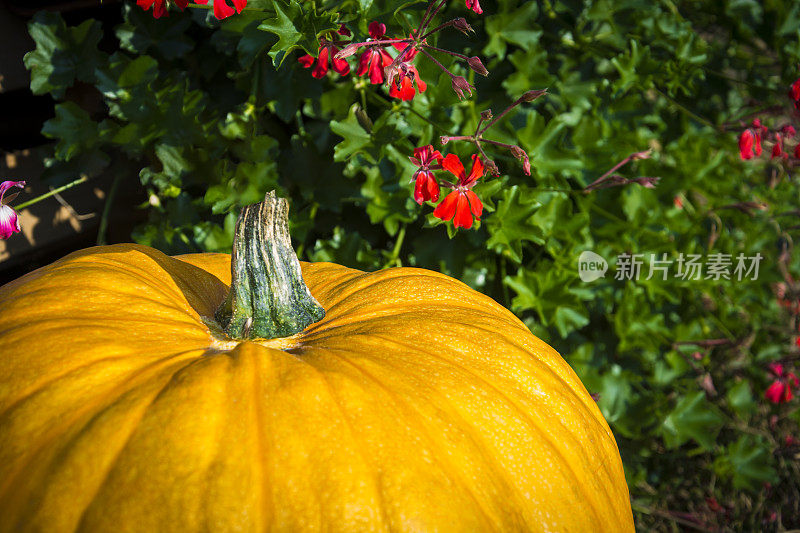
(268, 298)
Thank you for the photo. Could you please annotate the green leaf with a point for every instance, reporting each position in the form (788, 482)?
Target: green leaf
(75, 130)
(356, 138)
(296, 27)
(63, 54)
(512, 223)
(693, 418)
(740, 399)
(142, 32)
(748, 462)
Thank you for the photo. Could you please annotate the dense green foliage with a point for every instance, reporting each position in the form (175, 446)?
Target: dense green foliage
(211, 115)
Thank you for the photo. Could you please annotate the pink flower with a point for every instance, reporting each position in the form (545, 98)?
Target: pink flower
(9, 223)
(222, 9)
(405, 76)
(797, 151)
(374, 59)
(461, 204)
(326, 52)
(426, 188)
(475, 6)
(780, 391)
(746, 141)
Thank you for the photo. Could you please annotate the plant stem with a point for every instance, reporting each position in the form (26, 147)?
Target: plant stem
(268, 298)
(428, 20)
(112, 193)
(46, 195)
(442, 50)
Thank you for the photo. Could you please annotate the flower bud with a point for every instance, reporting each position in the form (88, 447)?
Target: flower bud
(476, 65)
(460, 84)
(532, 95)
(444, 139)
(518, 152)
(486, 115)
(461, 25)
(347, 51)
(363, 119)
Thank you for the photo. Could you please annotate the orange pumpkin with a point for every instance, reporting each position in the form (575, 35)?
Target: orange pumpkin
(416, 404)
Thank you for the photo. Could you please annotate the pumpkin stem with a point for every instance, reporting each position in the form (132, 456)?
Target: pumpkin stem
(268, 297)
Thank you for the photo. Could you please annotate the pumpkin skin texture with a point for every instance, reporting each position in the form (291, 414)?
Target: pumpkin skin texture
(416, 404)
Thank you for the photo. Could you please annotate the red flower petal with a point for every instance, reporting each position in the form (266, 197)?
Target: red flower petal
(427, 155)
(221, 8)
(776, 368)
(306, 60)
(453, 164)
(376, 70)
(746, 144)
(376, 29)
(475, 6)
(322, 63)
(794, 92)
(364, 62)
(447, 209)
(405, 92)
(475, 172)
(339, 65)
(775, 392)
(797, 151)
(426, 187)
(463, 218)
(475, 204)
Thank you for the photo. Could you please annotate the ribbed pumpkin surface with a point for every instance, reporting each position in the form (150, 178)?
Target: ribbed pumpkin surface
(416, 404)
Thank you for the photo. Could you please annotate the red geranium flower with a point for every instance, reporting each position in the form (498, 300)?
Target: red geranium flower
(794, 92)
(374, 59)
(475, 6)
(326, 52)
(777, 149)
(160, 6)
(222, 9)
(780, 391)
(9, 223)
(461, 204)
(746, 141)
(426, 188)
(403, 79)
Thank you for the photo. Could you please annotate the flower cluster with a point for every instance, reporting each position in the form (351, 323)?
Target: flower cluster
(327, 53)
(780, 391)
(756, 134)
(399, 72)
(460, 205)
(9, 222)
(221, 8)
